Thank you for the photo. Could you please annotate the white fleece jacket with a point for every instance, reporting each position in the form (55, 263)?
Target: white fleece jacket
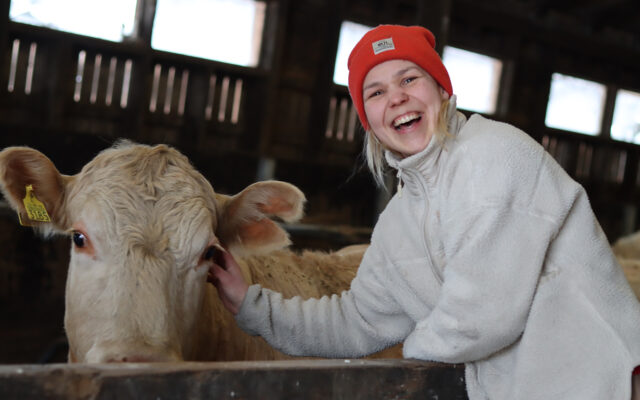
(490, 256)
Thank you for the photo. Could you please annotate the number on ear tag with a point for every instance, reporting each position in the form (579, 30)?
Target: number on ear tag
(36, 210)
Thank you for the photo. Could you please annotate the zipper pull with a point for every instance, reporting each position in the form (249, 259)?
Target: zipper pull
(399, 188)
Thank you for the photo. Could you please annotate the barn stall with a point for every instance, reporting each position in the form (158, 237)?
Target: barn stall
(71, 95)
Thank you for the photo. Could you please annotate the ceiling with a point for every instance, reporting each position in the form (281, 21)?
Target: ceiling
(617, 20)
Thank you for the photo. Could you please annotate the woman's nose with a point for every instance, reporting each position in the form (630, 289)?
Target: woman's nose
(398, 96)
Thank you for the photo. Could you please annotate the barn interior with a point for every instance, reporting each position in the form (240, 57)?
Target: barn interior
(564, 71)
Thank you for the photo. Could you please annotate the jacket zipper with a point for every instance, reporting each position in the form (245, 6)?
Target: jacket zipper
(434, 269)
(399, 188)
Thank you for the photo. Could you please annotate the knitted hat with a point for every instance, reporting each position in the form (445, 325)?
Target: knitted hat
(390, 42)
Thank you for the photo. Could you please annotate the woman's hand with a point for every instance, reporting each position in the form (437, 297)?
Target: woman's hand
(226, 276)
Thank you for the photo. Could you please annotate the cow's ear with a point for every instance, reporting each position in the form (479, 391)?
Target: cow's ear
(27, 173)
(245, 224)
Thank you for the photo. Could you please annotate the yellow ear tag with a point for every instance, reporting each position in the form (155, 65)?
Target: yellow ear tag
(36, 211)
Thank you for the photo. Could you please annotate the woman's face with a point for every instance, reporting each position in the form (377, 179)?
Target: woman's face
(402, 103)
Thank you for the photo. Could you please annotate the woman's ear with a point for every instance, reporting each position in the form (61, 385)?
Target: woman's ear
(443, 93)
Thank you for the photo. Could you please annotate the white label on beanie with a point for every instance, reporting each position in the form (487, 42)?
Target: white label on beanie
(383, 45)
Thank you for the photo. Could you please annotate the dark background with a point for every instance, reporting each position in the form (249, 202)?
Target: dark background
(283, 120)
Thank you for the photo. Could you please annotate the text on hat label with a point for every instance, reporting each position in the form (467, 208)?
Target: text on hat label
(383, 45)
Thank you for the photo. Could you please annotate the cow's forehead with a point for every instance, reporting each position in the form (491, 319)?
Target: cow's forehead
(159, 168)
(137, 185)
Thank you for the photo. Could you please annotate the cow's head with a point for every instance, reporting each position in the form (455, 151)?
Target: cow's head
(144, 227)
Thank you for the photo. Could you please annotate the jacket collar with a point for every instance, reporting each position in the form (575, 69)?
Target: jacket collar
(424, 165)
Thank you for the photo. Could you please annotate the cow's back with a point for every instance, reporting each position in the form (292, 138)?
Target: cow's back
(306, 274)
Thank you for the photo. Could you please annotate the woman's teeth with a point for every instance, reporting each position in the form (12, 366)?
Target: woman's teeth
(405, 119)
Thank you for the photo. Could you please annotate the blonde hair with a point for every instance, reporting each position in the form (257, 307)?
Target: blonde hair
(374, 150)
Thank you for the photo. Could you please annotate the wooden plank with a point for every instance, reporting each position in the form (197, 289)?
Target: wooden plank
(298, 379)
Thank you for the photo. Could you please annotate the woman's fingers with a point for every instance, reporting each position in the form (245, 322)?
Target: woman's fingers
(226, 276)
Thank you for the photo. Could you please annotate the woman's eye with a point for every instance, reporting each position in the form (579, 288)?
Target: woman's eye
(79, 239)
(409, 79)
(209, 253)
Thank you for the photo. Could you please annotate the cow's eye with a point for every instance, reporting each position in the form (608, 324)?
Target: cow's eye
(79, 239)
(209, 253)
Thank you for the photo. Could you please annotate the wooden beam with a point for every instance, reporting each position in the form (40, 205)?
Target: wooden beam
(274, 38)
(323, 89)
(547, 31)
(436, 16)
(4, 31)
(267, 380)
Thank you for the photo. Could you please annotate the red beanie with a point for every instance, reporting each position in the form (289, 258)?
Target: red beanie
(390, 42)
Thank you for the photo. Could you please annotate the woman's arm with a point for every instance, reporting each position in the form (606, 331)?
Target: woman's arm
(358, 322)
(497, 255)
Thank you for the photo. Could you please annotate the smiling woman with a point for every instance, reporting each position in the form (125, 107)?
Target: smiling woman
(450, 271)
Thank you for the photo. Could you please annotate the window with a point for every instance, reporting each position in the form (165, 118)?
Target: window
(575, 104)
(229, 31)
(350, 34)
(626, 117)
(475, 79)
(105, 19)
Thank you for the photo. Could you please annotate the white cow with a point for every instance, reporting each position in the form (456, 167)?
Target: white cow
(145, 227)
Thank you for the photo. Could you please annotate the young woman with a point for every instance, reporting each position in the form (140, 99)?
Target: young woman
(489, 254)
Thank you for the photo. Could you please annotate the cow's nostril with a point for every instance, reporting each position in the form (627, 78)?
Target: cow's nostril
(123, 359)
(137, 358)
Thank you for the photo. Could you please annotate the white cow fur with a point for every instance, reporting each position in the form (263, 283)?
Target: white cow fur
(136, 290)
